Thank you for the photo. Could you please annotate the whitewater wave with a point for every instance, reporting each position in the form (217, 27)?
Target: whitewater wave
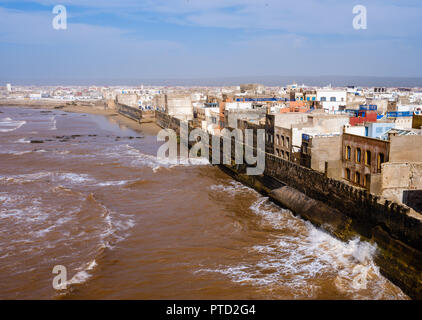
(136, 158)
(300, 254)
(232, 189)
(8, 125)
(81, 223)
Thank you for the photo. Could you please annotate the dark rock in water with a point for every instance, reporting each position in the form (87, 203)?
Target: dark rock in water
(139, 137)
(75, 136)
(92, 135)
(131, 137)
(58, 107)
(37, 141)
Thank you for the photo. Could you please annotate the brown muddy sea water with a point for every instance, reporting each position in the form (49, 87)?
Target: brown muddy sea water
(93, 198)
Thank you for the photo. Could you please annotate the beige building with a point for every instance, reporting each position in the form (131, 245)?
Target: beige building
(283, 143)
(402, 175)
(323, 153)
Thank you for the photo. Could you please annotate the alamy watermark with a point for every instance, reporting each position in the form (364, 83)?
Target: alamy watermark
(220, 147)
(60, 281)
(60, 20)
(361, 15)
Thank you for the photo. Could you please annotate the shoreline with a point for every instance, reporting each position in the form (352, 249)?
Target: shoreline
(149, 128)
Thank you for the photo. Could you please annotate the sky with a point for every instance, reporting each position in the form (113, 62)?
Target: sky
(182, 39)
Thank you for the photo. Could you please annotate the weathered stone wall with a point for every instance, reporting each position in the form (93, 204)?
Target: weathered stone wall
(417, 121)
(128, 99)
(406, 148)
(400, 176)
(130, 112)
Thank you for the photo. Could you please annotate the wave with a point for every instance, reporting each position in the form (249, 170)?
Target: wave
(138, 183)
(299, 260)
(81, 226)
(136, 158)
(69, 177)
(23, 140)
(8, 125)
(232, 189)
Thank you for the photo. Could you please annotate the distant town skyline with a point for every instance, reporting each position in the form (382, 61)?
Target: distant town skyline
(129, 42)
(272, 81)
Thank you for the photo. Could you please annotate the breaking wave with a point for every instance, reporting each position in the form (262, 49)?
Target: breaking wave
(299, 254)
(8, 125)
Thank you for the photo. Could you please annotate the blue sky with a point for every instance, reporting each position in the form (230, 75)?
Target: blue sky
(209, 38)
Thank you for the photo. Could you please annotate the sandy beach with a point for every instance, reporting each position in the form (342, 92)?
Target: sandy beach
(99, 109)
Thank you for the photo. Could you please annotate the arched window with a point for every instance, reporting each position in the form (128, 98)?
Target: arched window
(358, 154)
(348, 153)
(323, 99)
(333, 99)
(368, 157)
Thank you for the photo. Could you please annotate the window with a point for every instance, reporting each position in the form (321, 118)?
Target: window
(367, 180)
(368, 157)
(282, 154)
(287, 156)
(287, 141)
(305, 148)
(358, 155)
(278, 139)
(282, 141)
(357, 178)
(348, 174)
(323, 99)
(380, 161)
(333, 99)
(348, 153)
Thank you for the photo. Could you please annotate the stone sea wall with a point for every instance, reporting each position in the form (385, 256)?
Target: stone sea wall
(130, 112)
(341, 209)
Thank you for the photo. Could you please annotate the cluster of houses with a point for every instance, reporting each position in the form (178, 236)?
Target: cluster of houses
(368, 138)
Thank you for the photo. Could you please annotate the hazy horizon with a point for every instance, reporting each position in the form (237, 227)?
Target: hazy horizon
(276, 81)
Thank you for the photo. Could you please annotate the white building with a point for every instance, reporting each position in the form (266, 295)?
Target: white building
(331, 99)
(9, 87)
(238, 105)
